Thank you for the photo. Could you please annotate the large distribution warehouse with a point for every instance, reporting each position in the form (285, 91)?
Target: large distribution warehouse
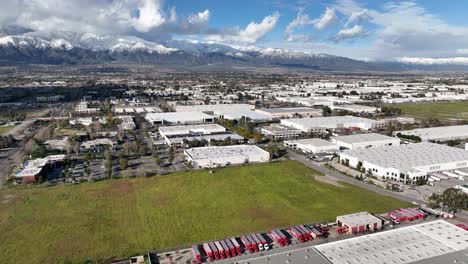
(309, 125)
(437, 242)
(178, 118)
(313, 145)
(406, 163)
(176, 135)
(208, 157)
(438, 133)
(368, 140)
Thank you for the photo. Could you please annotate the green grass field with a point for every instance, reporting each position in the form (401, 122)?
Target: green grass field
(118, 218)
(440, 110)
(5, 129)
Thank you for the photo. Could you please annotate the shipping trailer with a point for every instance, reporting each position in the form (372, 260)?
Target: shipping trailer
(413, 215)
(236, 245)
(220, 249)
(263, 241)
(231, 247)
(405, 215)
(215, 250)
(196, 254)
(257, 242)
(297, 234)
(307, 233)
(227, 252)
(283, 236)
(253, 242)
(248, 245)
(277, 238)
(208, 251)
(420, 213)
(395, 215)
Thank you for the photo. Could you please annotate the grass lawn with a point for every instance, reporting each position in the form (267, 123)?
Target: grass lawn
(440, 110)
(5, 129)
(122, 217)
(67, 132)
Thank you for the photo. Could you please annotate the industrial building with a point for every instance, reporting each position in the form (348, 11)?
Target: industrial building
(34, 168)
(126, 122)
(359, 222)
(318, 124)
(443, 133)
(434, 242)
(406, 163)
(178, 118)
(253, 116)
(312, 145)
(367, 140)
(278, 131)
(418, 243)
(355, 108)
(291, 112)
(209, 157)
(176, 135)
(212, 108)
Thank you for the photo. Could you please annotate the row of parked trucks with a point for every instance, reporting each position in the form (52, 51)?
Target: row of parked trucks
(252, 243)
(407, 214)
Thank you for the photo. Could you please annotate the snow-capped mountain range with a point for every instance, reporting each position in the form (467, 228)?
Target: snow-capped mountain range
(23, 46)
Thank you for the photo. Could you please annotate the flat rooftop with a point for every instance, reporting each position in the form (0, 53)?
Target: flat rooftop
(280, 128)
(361, 138)
(358, 219)
(187, 129)
(329, 121)
(407, 157)
(174, 117)
(438, 132)
(239, 113)
(224, 152)
(213, 107)
(291, 110)
(398, 246)
(317, 142)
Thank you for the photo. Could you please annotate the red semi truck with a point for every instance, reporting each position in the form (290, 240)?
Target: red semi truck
(215, 250)
(220, 249)
(227, 252)
(236, 245)
(208, 251)
(253, 243)
(231, 247)
(278, 238)
(248, 245)
(196, 254)
(297, 234)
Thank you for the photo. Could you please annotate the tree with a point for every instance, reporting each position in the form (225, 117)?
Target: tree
(108, 162)
(326, 111)
(170, 157)
(452, 199)
(155, 155)
(123, 161)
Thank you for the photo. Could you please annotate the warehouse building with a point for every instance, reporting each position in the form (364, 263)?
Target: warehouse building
(318, 124)
(368, 140)
(355, 108)
(253, 116)
(177, 135)
(212, 108)
(444, 133)
(32, 169)
(437, 242)
(209, 157)
(359, 222)
(178, 118)
(312, 145)
(406, 163)
(278, 131)
(291, 112)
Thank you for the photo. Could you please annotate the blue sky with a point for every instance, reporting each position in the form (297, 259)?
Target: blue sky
(419, 31)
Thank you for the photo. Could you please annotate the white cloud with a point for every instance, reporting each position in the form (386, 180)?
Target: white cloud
(251, 34)
(350, 33)
(405, 29)
(145, 18)
(301, 20)
(328, 18)
(150, 16)
(435, 61)
(462, 51)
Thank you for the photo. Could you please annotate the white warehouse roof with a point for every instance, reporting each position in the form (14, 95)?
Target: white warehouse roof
(409, 157)
(398, 246)
(438, 133)
(366, 137)
(191, 129)
(175, 117)
(238, 114)
(316, 142)
(213, 107)
(331, 122)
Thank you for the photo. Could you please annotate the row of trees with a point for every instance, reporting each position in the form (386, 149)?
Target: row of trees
(452, 200)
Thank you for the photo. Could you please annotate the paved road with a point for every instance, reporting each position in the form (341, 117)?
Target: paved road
(341, 177)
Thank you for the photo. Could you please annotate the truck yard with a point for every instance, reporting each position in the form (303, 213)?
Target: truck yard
(258, 246)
